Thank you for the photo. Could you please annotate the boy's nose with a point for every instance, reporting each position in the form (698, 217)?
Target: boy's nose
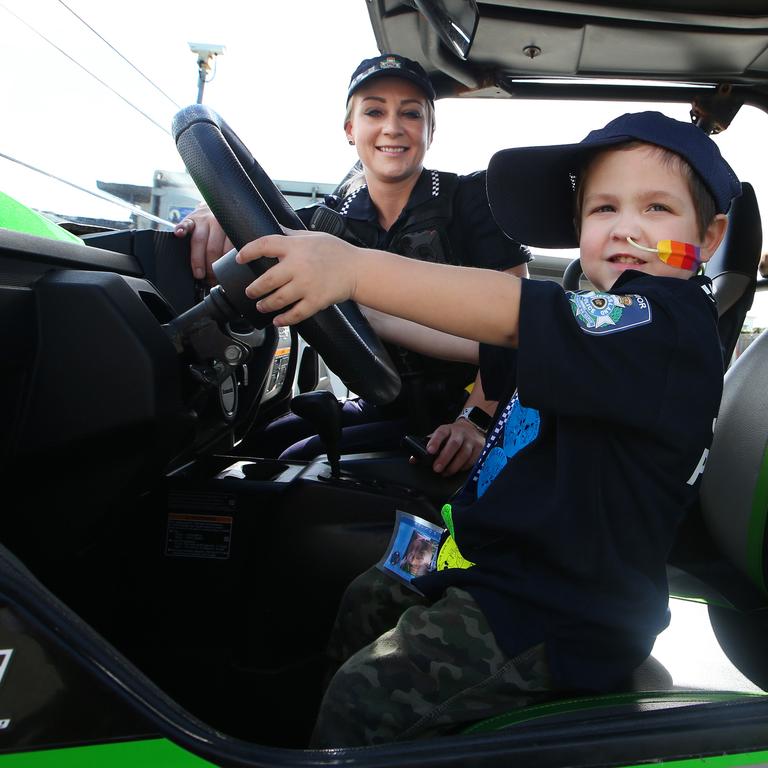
(626, 227)
(624, 232)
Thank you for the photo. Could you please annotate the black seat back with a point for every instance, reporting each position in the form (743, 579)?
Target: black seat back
(733, 268)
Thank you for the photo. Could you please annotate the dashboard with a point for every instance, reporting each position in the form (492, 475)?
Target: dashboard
(93, 377)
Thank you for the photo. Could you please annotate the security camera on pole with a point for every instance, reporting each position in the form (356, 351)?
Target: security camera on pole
(206, 52)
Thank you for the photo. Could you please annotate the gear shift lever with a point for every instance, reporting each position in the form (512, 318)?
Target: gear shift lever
(323, 411)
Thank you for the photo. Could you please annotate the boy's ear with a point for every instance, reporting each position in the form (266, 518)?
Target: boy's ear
(713, 236)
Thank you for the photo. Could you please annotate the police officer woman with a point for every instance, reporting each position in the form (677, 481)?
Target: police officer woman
(395, 204)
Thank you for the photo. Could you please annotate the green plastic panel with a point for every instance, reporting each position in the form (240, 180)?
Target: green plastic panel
(162, 753)
(15, 216)
(125, 754)
(591, 703)
(721, 761)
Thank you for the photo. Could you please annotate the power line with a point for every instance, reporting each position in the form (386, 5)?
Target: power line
(106, 42)
(85, 69)
(101, 194)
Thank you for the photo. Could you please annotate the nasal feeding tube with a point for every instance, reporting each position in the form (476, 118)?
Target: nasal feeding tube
(674, 253)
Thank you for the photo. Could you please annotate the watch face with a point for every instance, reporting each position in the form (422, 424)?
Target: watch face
(480, 418)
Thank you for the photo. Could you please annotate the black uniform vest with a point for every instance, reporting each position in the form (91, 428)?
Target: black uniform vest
(433, 389)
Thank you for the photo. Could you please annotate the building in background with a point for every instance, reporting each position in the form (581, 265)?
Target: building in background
(171, 197)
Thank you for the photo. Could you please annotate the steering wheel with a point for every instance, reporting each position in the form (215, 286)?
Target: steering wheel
(248, 205)
(572, 276)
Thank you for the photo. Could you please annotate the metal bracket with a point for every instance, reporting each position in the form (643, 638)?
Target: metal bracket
(714, 112)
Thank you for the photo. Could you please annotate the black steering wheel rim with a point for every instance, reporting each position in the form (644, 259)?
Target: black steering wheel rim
(248, 205)
(572, 276)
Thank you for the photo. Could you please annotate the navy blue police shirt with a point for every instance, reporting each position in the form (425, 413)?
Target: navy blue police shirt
(475, 238)
(571, 510)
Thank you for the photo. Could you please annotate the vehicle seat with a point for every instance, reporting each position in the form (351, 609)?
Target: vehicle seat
(732, 269)
(714, 648)
(734, 491)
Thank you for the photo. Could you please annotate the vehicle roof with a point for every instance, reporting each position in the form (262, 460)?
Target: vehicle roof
(719, 47)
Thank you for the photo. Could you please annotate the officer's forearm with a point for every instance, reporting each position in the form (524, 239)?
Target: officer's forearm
(421, 339)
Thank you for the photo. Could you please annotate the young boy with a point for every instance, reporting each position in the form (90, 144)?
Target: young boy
(611, 396)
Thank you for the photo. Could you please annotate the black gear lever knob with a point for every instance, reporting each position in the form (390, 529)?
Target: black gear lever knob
(322, 409)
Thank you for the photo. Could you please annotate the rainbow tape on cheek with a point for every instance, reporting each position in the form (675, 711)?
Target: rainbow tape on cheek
(674, 253)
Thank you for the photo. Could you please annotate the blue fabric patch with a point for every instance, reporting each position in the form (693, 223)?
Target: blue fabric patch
(521, 428)
(600, 313)
(494, 462)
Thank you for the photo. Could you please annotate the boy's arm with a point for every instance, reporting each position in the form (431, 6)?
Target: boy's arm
(316, 270)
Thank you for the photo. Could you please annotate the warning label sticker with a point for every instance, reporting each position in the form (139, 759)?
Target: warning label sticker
(205, 536)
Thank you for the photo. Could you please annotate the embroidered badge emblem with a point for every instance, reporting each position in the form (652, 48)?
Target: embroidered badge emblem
(598, 313)
(390, 63)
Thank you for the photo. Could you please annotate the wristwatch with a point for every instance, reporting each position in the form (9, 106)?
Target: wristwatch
(477, 417)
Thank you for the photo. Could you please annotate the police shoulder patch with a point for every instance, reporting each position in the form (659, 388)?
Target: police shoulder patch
(599, 313)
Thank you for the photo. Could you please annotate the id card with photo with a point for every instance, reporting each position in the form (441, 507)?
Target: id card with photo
(412, 550)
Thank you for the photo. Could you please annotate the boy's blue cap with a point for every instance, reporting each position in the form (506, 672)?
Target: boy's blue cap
(391, 65)
(531, 189)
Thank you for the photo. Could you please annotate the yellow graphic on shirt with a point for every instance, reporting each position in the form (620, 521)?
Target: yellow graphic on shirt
(449, 555)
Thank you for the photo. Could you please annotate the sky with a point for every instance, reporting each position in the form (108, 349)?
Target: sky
(280, 85)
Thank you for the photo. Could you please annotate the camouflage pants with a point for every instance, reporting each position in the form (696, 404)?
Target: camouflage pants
(411, 668)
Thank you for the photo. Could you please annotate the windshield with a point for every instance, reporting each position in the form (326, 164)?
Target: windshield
(96, 85)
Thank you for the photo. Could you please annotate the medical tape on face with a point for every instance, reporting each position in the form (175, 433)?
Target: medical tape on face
(674, 253)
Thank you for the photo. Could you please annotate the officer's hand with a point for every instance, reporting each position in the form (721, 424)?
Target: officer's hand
(456, 445)
(208, 241)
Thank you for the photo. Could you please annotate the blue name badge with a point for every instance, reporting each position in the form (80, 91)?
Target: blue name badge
(412, 550)
(598, 313)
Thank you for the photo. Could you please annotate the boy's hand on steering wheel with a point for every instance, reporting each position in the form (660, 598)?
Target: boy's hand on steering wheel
(313, 271)
(456, 446)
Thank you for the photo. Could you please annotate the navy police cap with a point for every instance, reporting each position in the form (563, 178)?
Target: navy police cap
(391, 65)
(531, 189)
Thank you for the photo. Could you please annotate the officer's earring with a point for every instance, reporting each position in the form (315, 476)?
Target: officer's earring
(351, 142)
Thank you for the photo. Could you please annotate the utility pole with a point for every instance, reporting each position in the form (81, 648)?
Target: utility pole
(206, 53)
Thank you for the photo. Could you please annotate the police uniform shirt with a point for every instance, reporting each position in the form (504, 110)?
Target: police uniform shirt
(475, 238)
(571, 509)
